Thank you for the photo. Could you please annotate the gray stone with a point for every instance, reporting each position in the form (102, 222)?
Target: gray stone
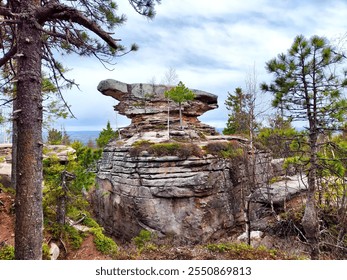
(147, 106)
(281, 191)
(54, 251)
(255, 236)
(194, 199)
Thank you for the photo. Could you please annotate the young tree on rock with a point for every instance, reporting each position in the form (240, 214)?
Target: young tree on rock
(180, 94)
(308, 88)
(35, 31)
(106, 135)
(170, 78)
(236, 103)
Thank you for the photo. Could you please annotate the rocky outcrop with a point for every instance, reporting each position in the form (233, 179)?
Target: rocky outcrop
(147, 107)
(194, 199)
(281, 191)
(191, 198)
(62, 152)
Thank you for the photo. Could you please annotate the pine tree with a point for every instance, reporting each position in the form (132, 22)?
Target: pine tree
(238, 121)
(307, 87)
(106, 135)
(180, 94)
(32, 32)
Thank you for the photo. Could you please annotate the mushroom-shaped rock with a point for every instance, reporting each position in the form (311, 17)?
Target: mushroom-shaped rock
(147, 107)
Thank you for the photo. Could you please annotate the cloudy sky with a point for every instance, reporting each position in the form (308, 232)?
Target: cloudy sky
(212, 45)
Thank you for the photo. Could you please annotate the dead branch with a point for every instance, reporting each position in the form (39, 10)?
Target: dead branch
(8, 56)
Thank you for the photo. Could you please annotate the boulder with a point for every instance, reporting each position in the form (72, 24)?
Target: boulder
(281, 191)
(62, 152)
(54, 251)
(256, 235)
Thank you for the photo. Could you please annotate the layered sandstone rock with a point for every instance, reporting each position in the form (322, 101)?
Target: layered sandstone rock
(191, 198)
(147, 107)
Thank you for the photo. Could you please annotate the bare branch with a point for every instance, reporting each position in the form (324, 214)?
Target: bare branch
(6, 12)
(54, 67)
(7, 101)
(8, 55)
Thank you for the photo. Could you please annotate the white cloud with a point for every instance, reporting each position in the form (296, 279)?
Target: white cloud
(210, 44)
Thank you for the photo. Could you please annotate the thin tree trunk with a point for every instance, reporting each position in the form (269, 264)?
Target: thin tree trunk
(62, 199)
(14, 147)
(310, 218)
(180, 111)
(29, 218)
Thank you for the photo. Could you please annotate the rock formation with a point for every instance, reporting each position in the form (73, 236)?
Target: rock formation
(147, 107)
(193, 198)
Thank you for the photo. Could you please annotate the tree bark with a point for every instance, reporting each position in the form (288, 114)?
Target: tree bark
(28, 117)
(310, 218)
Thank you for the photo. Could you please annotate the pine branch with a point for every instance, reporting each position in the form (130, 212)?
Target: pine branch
(56, 11)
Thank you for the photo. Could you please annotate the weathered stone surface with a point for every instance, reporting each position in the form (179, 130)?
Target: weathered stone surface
(5, 164)
(194, 199)
(281, 191)
(147, 107)
(254, 235)
(62, 152)
(54, 251)
(187, 198)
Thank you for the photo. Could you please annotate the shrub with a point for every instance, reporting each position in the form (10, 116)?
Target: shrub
(104, 244)
(106, 135)
(226, 247)
(56, 137)
(182, 150)
(225, 149)
(215, 148)
(138, 147)
(164, 149)
(45, 252)
(75, 238)
(144, 237)
(7, 252)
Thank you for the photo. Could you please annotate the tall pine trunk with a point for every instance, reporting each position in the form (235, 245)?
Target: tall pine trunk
(28, 118)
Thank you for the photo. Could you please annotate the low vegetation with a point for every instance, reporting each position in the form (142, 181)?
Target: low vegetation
(225, 149)
(7, 252)
(181, 150)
